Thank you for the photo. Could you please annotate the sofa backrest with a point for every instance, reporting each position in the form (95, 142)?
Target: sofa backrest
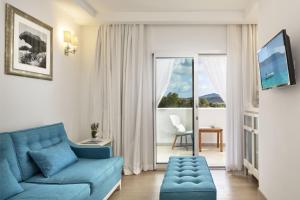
(35, 139)
(7, 152)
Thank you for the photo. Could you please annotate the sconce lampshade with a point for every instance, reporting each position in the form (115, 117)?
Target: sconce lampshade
(71, 43)
(67, 36)
(74, 40)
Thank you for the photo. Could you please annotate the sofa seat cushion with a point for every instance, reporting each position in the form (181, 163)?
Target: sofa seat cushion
(9, 185)
(91, 171)
(53, 192)
(53, 159)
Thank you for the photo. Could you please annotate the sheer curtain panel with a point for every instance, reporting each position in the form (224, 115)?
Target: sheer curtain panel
(250, 65)
(234, 103)
(122, 94)
(215, 66)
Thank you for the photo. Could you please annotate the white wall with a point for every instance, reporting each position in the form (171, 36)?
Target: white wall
(88, 51)
(207, 117)
(27, 102)
(280, 109)
(186, 38)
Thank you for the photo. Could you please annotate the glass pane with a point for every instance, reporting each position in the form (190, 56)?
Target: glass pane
(174, 107)
(256, 151)
(255, 124)
(248, 146)
(248, 121)
(211, 74)
(245, 144)
(211, 90)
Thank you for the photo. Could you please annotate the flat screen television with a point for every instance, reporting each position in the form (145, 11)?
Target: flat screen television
(276, 64)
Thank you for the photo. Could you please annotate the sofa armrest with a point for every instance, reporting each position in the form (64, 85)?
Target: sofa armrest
(91, 152)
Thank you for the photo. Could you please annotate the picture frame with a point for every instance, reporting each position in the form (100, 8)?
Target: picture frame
(28, 45)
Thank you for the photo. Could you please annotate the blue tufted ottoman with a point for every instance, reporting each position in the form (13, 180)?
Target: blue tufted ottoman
(188, 177)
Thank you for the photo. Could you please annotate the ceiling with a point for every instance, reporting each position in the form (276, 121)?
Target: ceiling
(87, 12)
(168, 5)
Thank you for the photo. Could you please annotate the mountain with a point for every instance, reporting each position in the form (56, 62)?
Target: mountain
(274, 58)
(212, 98)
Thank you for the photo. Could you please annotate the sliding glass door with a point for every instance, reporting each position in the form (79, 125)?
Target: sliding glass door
(174, 107)
(190, 107)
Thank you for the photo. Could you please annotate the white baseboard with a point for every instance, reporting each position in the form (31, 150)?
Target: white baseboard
(259, 190)
(116, 187)
(170, 144)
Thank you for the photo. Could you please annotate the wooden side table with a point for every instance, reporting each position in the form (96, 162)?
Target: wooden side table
(219, 133)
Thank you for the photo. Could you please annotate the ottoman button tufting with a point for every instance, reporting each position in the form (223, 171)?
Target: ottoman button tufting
(188, 177)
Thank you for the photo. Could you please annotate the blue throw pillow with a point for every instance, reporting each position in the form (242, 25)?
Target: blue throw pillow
(53, 159)
(9, 185)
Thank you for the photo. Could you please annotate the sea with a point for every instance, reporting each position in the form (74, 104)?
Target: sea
(274, 71)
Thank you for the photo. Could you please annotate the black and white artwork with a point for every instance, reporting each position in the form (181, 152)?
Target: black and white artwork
(32, 46)
(28, 45)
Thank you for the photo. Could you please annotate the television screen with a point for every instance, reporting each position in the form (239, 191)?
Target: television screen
(275, 62)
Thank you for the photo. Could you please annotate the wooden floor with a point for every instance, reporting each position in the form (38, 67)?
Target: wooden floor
(212, 154)
(146, 187)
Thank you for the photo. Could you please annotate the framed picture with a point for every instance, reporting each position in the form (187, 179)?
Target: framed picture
(28, 45)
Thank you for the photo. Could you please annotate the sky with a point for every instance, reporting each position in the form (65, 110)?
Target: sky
(275, 45)
(181, 79)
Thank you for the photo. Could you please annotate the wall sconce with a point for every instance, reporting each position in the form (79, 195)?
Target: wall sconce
(71, 42)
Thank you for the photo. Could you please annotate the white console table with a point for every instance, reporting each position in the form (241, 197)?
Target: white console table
(250, 140)
(97, 142)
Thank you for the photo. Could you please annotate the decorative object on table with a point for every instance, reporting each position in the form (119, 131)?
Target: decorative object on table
(28, 45)
(71, 43)
(94, 128)
(212, 126)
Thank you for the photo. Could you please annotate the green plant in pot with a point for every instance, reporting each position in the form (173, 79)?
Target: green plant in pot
(94, 129)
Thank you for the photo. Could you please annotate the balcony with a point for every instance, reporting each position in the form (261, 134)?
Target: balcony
(165, 133)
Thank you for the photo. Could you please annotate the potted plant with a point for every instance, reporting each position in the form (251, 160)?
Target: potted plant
(94, 129)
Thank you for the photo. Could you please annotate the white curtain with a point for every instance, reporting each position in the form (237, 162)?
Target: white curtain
(164, 70)
(122, 94)
(234, 102)
(250, 65)
(215, 66)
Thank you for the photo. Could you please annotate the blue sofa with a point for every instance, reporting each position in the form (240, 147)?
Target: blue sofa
(93, 176)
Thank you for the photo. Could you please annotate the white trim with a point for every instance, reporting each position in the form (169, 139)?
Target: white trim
(185, 17)
(154, 107)
(259, 189)
(161, 166)
(118, 185)
(87, 7)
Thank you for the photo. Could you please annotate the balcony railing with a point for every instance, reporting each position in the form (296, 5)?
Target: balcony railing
(206, 117)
